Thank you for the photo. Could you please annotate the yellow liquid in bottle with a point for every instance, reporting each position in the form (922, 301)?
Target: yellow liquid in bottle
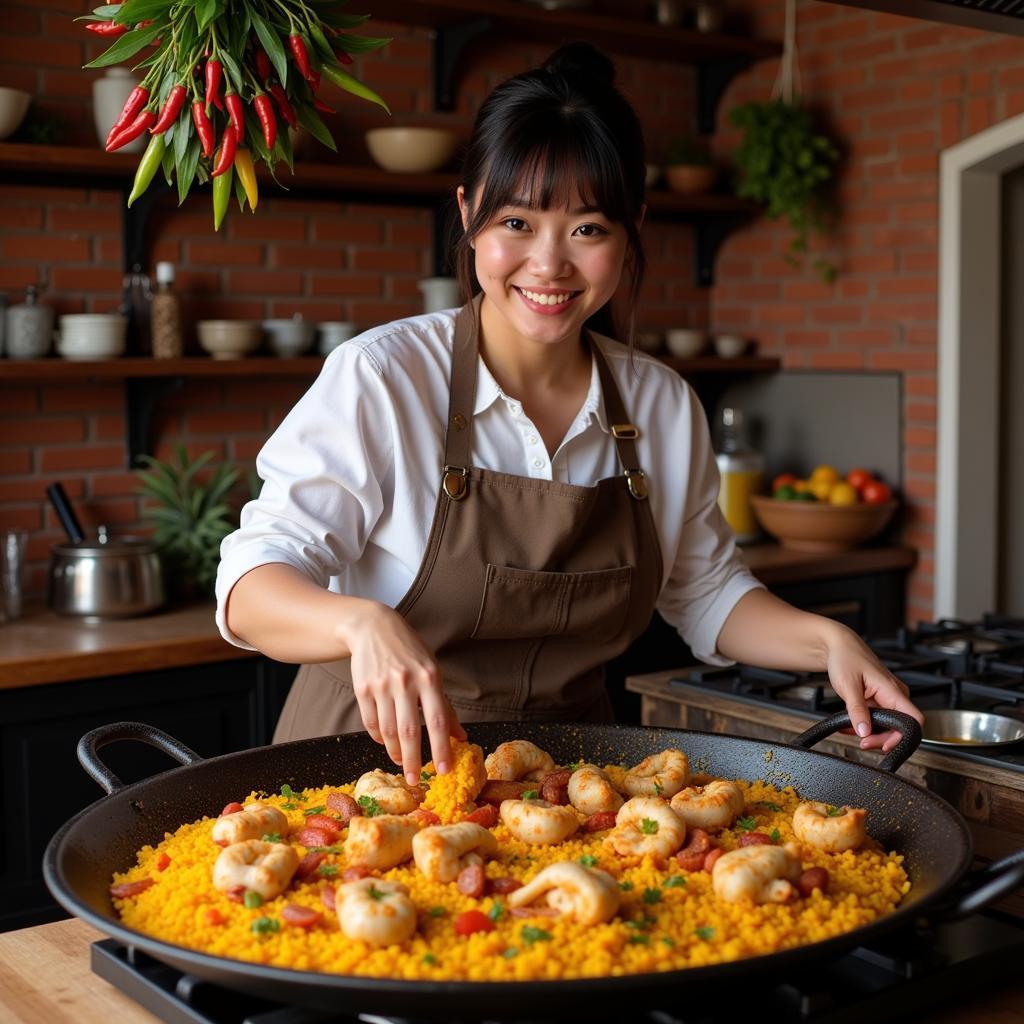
(734, 501)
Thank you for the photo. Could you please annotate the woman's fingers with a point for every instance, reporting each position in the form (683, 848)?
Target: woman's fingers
(388, 724)
(407, 714)
(368, 713)
(438, 716)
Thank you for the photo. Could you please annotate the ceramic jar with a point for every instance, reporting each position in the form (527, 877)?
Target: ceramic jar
(29, 328)
(439, 293)
(109, 95)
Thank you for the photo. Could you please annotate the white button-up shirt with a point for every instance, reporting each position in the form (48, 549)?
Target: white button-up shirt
(352, 474)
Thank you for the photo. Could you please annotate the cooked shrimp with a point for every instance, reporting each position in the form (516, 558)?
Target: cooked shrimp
(588, 895)
(830, 828)
(538, 822)
(253, 821)
(266, 868)
(442, 851)
(763, 874)
(591, 792)
(712, 807)
(393, 794)
(661, 774)
(646, 825)
(518, 759)
(380, 842)
(378, 912)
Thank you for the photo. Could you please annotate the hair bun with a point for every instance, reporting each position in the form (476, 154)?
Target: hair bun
(581, 62)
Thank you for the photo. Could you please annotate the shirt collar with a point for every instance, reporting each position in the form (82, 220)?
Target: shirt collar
(488, 392)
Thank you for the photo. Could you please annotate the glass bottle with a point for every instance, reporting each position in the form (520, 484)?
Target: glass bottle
(137, 294)
(741, 470)
(165, 315)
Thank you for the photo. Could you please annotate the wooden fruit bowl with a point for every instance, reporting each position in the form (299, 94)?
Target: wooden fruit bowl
(818, 526)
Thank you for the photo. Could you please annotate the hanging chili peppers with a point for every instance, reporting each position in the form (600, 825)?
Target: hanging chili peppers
(226, 152)
(265, 112)
(107, 29)
(236, 111)
(148, 166)
(287, 112)
(247, 176)
(214, 71)
(136, 101)
(131, 132)
(172, 108)
(203, 127)
(298, 47)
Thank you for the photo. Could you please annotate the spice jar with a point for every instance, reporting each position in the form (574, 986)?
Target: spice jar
(165, 315)
(29, 327)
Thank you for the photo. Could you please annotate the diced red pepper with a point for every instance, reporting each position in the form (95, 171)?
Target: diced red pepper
(163, 862)
(213, 916)
(470, 921)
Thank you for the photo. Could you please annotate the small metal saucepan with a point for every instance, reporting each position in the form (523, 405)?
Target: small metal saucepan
(949, 727)
(101, 579)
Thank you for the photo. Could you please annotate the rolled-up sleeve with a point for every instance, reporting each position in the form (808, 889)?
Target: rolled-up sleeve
(322, 473)
(707, 575)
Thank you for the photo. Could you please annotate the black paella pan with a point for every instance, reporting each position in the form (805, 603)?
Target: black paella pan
(82, 857)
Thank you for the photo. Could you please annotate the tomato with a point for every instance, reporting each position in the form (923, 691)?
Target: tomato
(858, 478)
(783, 480)
(843, 494)
(825, 474)
(470, 921)
(784, 493)
(876, 493)
(821, 489)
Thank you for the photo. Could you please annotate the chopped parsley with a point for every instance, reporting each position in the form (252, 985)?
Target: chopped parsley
(574, 766)
(252, 899)
(768, 805)
(675, 882)
(643, 923)
(425, 776)
(497, 912)
(510, 952)
(429, 958)
(836, 812)
(273, 837)
(327, 870)
(639, 940)
(704, 933)
(266, 925)
(374, 893)
(370, 806)
(626, 886)
(775, 835)
(652, 896)
(325, 849)
(658, 787)
(289, 806)
(438, 912)
(315, 810)
(588, 860)
(530, 794)
(666, 941)
(531, 934)
(289, 794)
(747, 824)
(648, 826)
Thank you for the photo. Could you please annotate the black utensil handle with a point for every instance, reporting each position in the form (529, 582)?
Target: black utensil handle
(91, 742)
(65, 513)
(982, 887)
(908, 727)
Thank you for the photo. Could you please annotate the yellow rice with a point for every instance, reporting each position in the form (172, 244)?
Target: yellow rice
(662, 924)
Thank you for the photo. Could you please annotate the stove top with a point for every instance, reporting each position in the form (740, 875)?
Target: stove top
(977, 666)
(893, 979)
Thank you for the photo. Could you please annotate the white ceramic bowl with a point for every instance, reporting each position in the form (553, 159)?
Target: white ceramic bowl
(229, 339)
(13, 107)
(411, 150)
(334, 333)
(685, 342)
(289, 338)
(91, 335)
(730, 346)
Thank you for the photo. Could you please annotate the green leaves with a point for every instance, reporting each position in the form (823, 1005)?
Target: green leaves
(271, 42)
(127, 46)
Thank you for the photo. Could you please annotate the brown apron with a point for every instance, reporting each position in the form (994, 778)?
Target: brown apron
(527, 587)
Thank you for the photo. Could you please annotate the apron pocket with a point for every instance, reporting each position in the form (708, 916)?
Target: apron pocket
(520, 604)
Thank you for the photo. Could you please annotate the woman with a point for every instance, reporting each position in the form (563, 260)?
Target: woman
(470, 512)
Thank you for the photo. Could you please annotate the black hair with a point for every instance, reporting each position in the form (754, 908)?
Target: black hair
(546, 133)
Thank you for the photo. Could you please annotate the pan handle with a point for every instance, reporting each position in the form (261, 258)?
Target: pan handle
(982, 887)
(91, 742)
(908, 727)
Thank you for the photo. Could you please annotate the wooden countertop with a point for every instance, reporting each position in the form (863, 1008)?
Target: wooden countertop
(45, 976)
(44, 648)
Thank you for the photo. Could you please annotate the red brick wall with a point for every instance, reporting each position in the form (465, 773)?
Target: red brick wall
(896, 91)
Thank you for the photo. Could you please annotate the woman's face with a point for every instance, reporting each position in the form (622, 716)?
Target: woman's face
(545, 272)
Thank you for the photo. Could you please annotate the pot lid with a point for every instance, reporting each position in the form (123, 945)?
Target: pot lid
(103, 545)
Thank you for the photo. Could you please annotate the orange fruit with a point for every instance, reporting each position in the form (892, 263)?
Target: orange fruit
(843, 493)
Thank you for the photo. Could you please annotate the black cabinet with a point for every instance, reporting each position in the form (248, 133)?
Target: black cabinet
(214, 709)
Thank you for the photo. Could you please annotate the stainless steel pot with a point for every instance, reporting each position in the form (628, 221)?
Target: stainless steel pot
(106, 579)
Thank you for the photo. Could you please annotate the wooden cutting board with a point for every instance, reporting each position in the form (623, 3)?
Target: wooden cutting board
(45, 978)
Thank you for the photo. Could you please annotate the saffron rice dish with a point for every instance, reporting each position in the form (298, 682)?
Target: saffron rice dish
(512, 868)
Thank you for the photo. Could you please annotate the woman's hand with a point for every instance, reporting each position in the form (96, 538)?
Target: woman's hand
(863, 681)
(394, 675)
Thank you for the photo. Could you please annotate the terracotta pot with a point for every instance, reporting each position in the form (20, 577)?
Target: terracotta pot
(690, 179)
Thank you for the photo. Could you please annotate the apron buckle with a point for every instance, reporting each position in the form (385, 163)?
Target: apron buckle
(626, 431)
(454, 482)
(636, 481)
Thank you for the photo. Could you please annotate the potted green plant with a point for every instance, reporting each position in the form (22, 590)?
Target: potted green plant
(689, 168)
(191, 515)
(786, 163)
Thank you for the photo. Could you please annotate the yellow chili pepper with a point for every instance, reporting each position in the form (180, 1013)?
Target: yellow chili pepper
(247, 176)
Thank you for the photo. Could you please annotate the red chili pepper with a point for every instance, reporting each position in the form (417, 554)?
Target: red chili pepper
(314, 81)
(320, 105)
(226, 154)
(175, 101)
(136, 101)
(106, 28)
(203, 127)
(265, 112)
(277, 91)
(298, 45)
(236, 111)
(214, 70)
(132, 132)
(262, 63)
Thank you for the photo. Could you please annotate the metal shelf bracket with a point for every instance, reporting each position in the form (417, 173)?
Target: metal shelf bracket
(141, 396)
(450, 41)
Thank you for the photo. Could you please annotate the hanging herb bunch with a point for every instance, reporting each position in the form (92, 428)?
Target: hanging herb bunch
(223, 80)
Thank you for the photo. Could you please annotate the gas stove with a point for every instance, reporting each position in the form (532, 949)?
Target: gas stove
(977, 666)
(893, 979)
